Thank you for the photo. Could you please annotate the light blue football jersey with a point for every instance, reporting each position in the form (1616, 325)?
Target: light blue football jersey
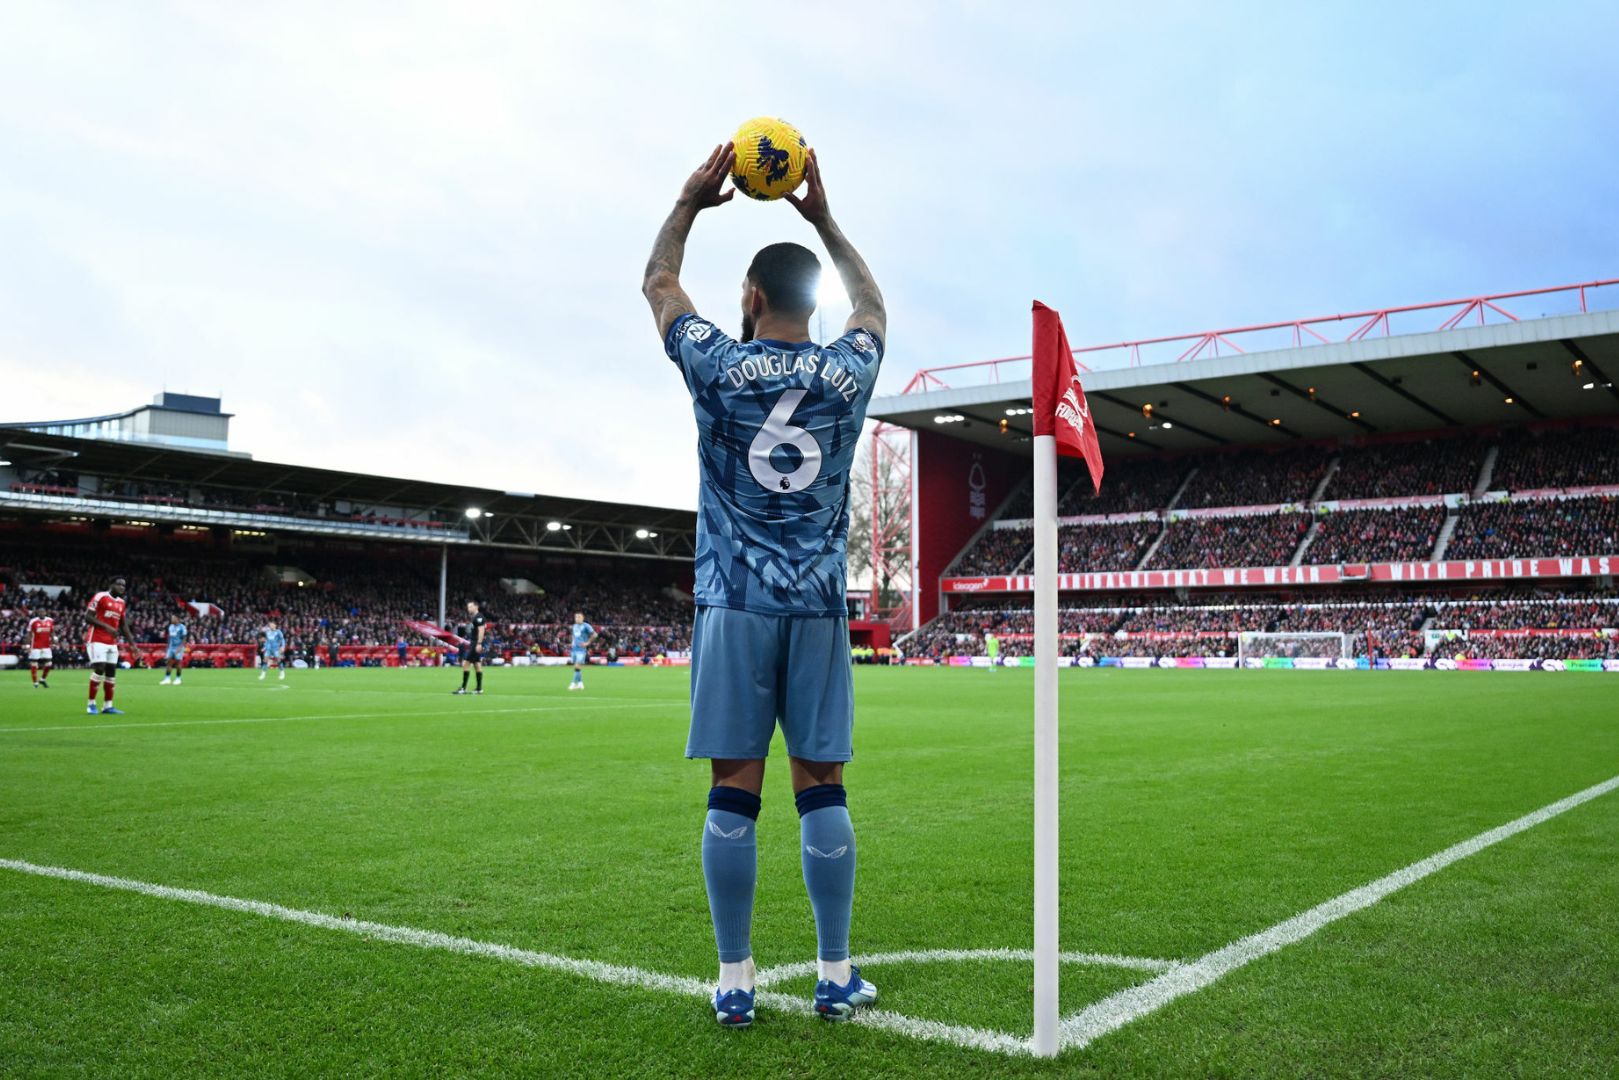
(778, 426)
(274, 640)
(177, 635)
(582, 633)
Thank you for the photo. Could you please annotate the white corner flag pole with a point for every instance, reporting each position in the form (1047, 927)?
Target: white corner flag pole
(1045, 746)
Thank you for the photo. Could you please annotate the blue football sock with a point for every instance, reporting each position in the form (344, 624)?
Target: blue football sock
(730, 868)
(828, 842)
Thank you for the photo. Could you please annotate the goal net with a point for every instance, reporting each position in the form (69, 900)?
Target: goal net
(1327, 645)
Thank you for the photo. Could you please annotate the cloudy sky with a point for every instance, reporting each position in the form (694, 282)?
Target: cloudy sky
(408, 238)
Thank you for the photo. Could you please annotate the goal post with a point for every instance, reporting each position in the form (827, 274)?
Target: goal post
(1325, 644)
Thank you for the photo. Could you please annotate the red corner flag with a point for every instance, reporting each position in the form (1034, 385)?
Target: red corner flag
(1059, 399)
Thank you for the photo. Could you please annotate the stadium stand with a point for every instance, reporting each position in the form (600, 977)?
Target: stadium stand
(1105, 547)
(1248, 540)
(1560, 625)
(352, 599)
(1532, 461)
(997, 551)
(1430, 467)
(1544, 527)
(1376, 535)
(1397, 472)
(1257, 477)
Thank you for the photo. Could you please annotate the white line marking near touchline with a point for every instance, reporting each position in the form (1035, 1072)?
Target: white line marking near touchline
(397, 714)
(596, 970)
(1126, 1006)
(772, 975)
(1082, 1028)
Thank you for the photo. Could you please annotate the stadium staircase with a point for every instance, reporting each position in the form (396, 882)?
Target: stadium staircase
(1175, 498)
(1152, 548)
(1486, 471)
(1441, 544)
(1309, 537)
(1315, 496)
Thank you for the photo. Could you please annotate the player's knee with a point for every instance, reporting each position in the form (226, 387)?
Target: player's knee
(734, 800)
(820, 797)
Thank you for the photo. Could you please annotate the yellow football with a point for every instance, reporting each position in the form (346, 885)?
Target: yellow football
(770, 156)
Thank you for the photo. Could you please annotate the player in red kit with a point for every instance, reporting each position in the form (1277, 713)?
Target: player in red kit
(39, 649)
(107, 624)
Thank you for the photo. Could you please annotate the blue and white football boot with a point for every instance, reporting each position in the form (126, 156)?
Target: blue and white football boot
(834, 1002)
(734, 1008)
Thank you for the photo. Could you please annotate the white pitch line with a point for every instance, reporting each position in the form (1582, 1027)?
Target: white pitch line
(595, 970)
(345, 716)
(773, 975)
(1127, 1006)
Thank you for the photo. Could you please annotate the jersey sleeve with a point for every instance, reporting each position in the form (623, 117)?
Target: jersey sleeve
(699, 348)
(862, 351)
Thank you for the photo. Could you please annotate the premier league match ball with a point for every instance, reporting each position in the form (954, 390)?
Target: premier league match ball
(770, 156)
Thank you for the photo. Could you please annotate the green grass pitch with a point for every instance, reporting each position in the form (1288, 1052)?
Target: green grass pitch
(1198, 807)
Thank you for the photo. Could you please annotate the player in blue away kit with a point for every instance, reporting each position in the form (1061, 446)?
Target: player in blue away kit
(778, 420)
(583, 635)
(275, 644)
(175, 653)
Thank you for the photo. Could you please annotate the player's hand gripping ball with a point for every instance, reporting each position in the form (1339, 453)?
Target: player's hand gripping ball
(770, 156)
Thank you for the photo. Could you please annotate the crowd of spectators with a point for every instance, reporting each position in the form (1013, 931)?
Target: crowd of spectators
(1444, 465)
(997, 551)
(1533, 647)
(336, 600)
(1160, 626)
(1256, 477)
(1250, 540)
(1437, 467)
(1129, 486)
(1540, 527)
(1583, 457)
(1094, 548)
(1404, 535)
(1574, 612)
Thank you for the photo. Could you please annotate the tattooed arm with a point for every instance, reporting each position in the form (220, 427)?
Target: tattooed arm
(661, 283)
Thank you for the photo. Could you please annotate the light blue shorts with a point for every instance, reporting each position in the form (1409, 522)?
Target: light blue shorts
(581, 657)
(750, 672)
(175, 652)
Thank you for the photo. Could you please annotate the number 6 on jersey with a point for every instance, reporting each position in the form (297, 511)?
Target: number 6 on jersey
(777, 432)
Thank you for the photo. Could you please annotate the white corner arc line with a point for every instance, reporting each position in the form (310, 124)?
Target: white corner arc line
(1126, 1006)
(595, 970)
(397, 714)
(771, 976)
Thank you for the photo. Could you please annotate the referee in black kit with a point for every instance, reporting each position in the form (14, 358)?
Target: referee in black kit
(472, 651)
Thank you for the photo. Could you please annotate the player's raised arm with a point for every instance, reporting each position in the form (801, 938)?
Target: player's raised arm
(869, 313)
(661, 283)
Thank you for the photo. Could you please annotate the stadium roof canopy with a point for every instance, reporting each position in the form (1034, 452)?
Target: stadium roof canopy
(1504, 372)
(506, 518)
